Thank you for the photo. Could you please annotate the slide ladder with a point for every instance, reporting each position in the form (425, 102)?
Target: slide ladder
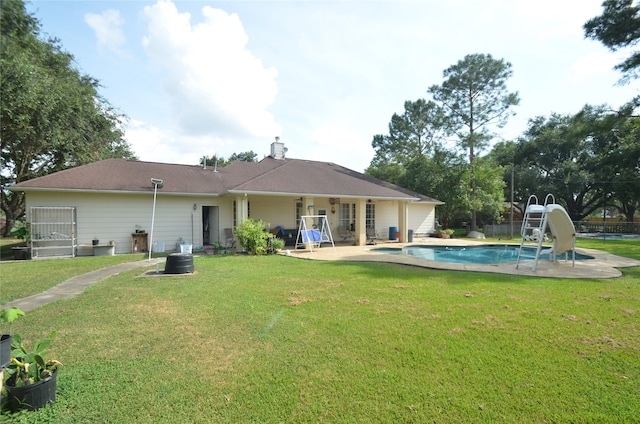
(533, 227)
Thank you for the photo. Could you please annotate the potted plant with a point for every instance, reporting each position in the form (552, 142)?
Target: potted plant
(7, 316)
(30, 379)
(95, 241)
(21, 230)
(218, 248)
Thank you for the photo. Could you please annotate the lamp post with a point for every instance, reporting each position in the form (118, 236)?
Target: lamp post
(156, 182)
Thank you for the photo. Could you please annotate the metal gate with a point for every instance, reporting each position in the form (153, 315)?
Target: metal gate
(53, 232)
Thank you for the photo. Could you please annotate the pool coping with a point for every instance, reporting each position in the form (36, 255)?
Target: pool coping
(603, 264)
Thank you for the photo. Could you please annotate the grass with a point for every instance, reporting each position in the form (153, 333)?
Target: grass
(25, 278)
(276, 339)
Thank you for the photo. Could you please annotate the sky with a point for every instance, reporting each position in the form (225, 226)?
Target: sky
(198, 78)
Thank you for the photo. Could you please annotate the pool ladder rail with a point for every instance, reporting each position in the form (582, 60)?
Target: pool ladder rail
(534, 225)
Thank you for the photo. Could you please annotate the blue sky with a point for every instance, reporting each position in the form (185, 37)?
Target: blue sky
(220, 77)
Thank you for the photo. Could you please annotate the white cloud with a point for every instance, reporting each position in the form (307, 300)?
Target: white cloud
(216, 85)
(154, 144)
(595, 63)
(341, 144)
(108, 29)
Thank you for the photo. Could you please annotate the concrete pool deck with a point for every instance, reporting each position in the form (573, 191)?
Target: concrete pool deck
(604, 265)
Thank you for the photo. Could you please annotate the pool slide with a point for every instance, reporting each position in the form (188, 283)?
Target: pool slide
(562, 229)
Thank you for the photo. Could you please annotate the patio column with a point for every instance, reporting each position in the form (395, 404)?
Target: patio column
(403, 221)
(308, 209)
(361, 222)
(242, 208)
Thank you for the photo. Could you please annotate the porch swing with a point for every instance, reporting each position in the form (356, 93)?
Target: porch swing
(316, 236)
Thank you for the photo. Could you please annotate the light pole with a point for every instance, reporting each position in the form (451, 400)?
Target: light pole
(156, 182)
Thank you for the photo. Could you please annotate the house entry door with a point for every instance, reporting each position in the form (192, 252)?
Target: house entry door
(210, 225)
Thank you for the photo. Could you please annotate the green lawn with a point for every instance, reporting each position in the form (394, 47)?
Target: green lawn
(277, 339)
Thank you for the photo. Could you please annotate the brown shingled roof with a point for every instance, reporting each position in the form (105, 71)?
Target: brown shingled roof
(130, 176)
(322, 178)
(269, 176)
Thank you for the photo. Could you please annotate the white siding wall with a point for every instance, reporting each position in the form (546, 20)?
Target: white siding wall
(282, 211)
(274, 210)
(422, 218)
(386, 216)
(115, 216)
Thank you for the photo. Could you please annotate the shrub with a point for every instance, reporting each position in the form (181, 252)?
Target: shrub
(21, 230)
(277, 244)
(252, 236)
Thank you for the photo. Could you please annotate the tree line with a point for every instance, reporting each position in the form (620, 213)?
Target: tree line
(589, 160)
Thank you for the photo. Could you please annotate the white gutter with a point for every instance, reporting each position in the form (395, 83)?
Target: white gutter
(94, 191)
(351, 196)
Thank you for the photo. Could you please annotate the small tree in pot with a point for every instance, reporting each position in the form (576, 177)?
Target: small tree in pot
(21, 230)
(30, 379)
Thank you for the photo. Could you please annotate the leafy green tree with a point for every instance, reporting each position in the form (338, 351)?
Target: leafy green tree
(220, 161)
(382, 168)
(474, 97)
(503, 154)
(412, 156)
(51, 115)
(551, 149)
(489, 198)
(584, 159)
(618, 27)
(442, 176)
(412, 134)
(620, 166)
(249, 156)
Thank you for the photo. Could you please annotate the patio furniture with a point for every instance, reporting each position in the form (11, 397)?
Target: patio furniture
(372, 235)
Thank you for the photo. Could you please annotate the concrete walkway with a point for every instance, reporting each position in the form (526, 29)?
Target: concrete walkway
(76, 285)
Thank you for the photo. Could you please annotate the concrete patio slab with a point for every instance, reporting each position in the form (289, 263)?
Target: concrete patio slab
(604, 265)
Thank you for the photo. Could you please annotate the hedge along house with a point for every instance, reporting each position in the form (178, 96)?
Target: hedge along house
(112, 201)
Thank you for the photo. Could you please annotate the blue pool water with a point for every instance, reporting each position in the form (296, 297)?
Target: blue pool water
(485, 254)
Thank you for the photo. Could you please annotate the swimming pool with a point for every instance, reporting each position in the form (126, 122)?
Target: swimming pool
(486, 254)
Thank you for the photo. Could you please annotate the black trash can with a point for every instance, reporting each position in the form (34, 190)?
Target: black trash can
(410, 236)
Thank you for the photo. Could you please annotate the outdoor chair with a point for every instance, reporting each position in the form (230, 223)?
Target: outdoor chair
(230, 240)
(345, 233)
(372, 235)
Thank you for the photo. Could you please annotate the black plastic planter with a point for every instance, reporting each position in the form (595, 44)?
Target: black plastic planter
(179, 263)
(32, 397)
(20, 253)
(5, 350)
